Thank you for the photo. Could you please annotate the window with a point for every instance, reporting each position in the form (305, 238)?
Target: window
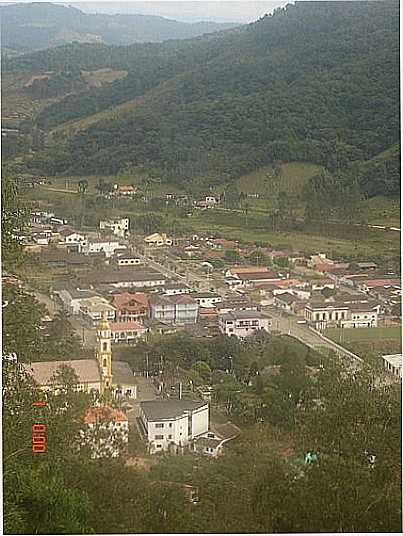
(170, 425)
(170, 436)
(161, 425)
(105, 361)
(105, 347)
(158, 446)
(159, 437)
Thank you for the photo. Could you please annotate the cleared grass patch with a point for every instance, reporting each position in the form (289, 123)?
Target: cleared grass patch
(364, 334)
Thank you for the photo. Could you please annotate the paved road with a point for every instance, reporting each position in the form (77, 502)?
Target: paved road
(289, 325)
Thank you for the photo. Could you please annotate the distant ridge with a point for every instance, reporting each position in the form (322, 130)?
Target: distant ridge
(35, 26)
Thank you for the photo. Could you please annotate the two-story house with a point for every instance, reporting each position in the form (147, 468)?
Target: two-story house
(177, 309)
(173, 424)
(242, 324)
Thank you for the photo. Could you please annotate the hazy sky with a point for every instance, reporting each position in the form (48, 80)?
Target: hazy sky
(229, 10)
(186, 10)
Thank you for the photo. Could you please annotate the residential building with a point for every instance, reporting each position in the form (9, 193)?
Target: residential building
(393, 364)
(126, 278)
(124, 381)
(177, 309)
(87, 371)
(127, 259)
(119, 227)
(108, 247)
(285, 301)
(242, 324)
(212, 442)
(322, 315)
(130, 306)
(173, 424)
(176, 288)
(207, 299)
(71, 298)
(127, 332)
(106, 432)
(157, 240)
(124, 190)
(93, 309)
(236, 302)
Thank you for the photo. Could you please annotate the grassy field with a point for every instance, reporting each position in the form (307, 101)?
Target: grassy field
(292, 179)
(364, 334)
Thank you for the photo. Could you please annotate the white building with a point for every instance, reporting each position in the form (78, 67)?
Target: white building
(242, 323)
(106, 432)
(127, 332)
(128, 260)
(108, 247)
(119, 227)
(71, 298)
(207, 299)
(173, 424)
(94, 309)
(322, 315)
(158, 239)
(393, 364)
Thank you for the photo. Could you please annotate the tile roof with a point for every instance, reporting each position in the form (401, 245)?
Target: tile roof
(104, 414)
(126, 326)
(87, 370)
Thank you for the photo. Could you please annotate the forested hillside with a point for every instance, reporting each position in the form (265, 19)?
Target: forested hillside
(317, 81)
(27, 27)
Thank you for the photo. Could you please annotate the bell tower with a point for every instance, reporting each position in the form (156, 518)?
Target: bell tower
(104, 353)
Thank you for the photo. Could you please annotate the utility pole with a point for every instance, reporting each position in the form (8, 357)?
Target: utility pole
(147, 365)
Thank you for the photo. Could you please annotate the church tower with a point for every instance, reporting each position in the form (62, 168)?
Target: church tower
(104, 353)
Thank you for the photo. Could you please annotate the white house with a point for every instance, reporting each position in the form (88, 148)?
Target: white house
(93, 309)
(207, 299)
(106, 432)
(173, 424)
(125, 259)
(119, 227)
(127, 332)
(242, 323)
(157, 240)
(393, 364)
(212, 442)
(108, 247)
(322, 315)
(71, 298)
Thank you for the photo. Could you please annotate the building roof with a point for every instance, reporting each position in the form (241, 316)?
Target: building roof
(205, 295)
(122, 373)
(259, 276)
(158, 410)
(225, 431)
(126, 326)
(87, 370)
(123, 276)
(240, 315)
(104, 414)
(286, 297)
(77, 294)
(96, 303)
(130, 301)
(394, 359)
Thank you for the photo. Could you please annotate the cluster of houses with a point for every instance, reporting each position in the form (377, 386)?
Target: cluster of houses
(165, 425)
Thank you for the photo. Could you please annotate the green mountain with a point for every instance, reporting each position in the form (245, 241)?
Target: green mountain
(27, 27)
(315, 82)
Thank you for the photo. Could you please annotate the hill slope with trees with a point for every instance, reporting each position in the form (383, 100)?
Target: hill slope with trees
(315, 82)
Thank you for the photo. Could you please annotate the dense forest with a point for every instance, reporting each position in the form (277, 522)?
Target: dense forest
(315, 81)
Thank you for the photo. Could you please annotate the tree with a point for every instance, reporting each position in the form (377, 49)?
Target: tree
(231, 255)
(14, 219)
